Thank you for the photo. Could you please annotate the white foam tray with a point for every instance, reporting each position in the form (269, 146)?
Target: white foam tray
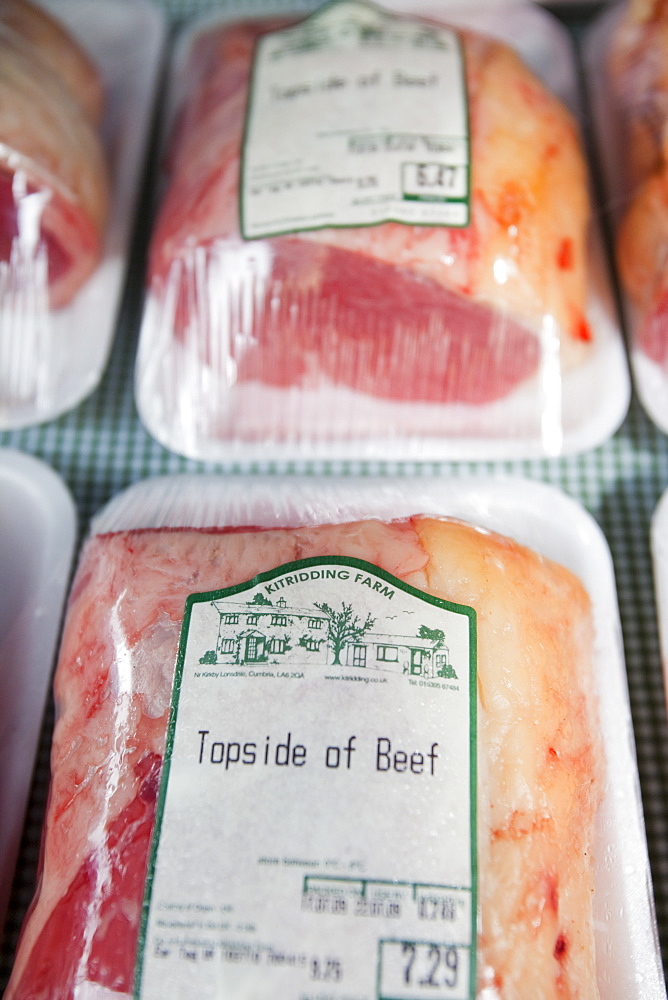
(552, 523)
(37, 538)
(659, 543)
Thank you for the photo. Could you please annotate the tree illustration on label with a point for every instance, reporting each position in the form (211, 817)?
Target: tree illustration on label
(437, 636)
(261, 600)
(344, 627)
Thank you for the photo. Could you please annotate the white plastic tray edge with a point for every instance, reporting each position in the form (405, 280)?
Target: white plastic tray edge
(38, 527)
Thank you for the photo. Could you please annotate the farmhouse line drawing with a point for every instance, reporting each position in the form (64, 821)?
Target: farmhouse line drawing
(263, 631)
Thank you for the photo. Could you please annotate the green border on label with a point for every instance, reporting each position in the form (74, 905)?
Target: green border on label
(368, 225)
(241, 588)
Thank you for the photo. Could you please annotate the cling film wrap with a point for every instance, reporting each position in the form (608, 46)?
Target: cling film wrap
(70, 163)
(332, 828)
(404, 278)
(625, 55)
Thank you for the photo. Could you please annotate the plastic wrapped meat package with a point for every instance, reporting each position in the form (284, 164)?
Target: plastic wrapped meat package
(77, 82)
(625, 56)
(37, 539)
(342, 737)
(389, 250)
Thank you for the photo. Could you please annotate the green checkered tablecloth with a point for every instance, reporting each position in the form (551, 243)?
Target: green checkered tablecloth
(100, 448)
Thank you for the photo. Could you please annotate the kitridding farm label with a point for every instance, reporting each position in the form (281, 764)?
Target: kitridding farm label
(315, 837)
(355, 116)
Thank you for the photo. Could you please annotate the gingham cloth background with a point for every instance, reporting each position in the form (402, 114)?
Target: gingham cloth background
(100, 448)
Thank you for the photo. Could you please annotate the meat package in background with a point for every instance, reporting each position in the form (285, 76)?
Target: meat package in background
(70, 158)
(415, 289)
(627, 50)
(340, 746)
(54, 183)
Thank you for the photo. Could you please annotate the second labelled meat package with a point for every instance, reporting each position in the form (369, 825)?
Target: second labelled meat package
(376, 237)
(366, 739)
(76, 88)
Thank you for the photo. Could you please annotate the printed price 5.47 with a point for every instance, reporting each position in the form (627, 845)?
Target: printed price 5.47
(434, 181)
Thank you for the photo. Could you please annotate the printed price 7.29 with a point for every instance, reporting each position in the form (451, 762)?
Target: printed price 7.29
(413, 970)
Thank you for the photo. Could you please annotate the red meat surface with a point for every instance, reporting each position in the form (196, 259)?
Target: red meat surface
(401, 312)
(538, 753)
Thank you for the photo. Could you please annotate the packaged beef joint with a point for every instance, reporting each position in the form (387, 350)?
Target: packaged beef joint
(626, 55)
(54, 177)
(375, 237)
(70, 157)
(341, 739)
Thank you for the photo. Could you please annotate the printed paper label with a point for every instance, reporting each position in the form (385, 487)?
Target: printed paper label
(355, 116)
(315, 837)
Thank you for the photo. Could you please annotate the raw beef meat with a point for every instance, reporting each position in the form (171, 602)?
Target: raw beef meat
(394, 311)
(53, 176)
(538, 757)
